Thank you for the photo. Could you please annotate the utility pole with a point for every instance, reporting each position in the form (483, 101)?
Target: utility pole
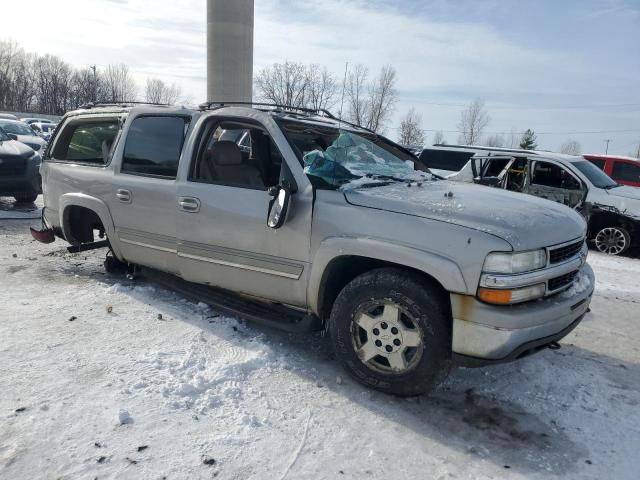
(95, 83)
(607, 141)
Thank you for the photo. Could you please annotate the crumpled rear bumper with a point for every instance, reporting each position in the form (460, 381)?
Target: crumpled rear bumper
(485, 334)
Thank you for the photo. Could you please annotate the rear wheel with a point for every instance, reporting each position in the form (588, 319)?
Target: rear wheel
(613, 240)
(26, 197)
(391, 331)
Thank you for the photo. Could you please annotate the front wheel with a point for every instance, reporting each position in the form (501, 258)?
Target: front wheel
(613, 240)
(392, 332)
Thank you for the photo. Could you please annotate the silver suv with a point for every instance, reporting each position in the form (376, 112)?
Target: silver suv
(302, 221)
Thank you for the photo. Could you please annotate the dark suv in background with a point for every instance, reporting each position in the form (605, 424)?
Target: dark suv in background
(19, 170)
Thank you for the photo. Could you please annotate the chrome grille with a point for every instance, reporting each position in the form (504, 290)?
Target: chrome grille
(559, 255)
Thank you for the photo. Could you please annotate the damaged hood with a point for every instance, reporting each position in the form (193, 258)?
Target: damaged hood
(624, 200)
(525, 221)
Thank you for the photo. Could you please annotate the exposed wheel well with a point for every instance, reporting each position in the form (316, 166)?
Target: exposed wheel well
(343, 270)
(82, 223)
(610, 219)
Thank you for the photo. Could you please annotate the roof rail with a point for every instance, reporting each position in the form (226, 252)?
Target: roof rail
(90, 105)
(275, 106)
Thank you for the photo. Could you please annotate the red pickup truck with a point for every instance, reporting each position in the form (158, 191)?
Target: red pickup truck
(624, 170)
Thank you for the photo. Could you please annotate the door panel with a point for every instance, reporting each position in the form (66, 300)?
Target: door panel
(223, 237)
(551, 181)
(228, 244)
(144, 192)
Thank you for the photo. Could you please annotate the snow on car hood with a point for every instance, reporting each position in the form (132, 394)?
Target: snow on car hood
(525, 221)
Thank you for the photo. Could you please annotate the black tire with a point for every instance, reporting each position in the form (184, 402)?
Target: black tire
(26, 197)
(114, 266)
(417, 299)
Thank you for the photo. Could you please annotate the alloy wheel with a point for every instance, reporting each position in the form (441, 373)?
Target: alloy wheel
(612, 241)
(387, 338)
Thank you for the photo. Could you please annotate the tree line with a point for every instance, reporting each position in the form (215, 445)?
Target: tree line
(48, 85)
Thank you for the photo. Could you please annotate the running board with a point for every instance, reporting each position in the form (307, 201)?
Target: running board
(230, 304)
(86, 247)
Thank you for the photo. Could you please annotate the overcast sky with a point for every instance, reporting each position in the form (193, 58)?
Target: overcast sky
(562, 68)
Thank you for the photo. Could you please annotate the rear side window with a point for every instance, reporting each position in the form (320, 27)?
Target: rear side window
(154, 145)
(87, 141)
(626, 172)
(445, 160)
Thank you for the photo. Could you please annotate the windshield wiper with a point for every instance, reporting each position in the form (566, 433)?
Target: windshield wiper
(389, 177)
(610, 187)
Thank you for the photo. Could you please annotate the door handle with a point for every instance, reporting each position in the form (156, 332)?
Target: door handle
(189, 204)
(123, 195)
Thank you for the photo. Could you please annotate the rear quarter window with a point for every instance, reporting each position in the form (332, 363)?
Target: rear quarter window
(154, 145)
(87, 141)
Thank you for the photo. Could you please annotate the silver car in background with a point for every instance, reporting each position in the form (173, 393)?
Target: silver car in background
(23, 133)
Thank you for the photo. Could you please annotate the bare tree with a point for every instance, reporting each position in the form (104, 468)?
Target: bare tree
(356, 91)
(411, 132)
(120, 85)
(571, 147)
(438, 138)
(371, 104)
(322, 88)
(496, 141)
(383, 97)
(283, 84)
(157, 91)
(473, 121)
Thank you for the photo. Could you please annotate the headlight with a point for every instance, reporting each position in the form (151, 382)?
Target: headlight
(510, 263)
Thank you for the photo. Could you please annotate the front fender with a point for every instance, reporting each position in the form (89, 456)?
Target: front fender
(442, 269)
(98, 206)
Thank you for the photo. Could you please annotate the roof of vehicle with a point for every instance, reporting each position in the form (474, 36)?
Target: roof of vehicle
(8, 116)
(560, 157)
(590, 156)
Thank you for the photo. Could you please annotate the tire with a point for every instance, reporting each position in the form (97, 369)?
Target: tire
(114, 266)
(363, 319)
(26, 198)
(613, 240)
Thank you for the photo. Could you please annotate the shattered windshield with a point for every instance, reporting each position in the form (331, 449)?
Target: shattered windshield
(333, 158)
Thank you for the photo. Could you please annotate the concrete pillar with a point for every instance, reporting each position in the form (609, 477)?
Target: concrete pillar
(230, 50)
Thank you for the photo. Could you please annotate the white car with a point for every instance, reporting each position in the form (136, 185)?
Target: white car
(23, 133)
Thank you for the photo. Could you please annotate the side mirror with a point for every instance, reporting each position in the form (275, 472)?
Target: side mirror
(12, 136)
(279, 206)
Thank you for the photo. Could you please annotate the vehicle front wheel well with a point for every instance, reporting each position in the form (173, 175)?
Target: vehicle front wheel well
(81, 224)
(610, 219)
(342, 270)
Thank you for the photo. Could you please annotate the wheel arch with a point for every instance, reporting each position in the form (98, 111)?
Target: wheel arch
(338, 261)
(77, 208)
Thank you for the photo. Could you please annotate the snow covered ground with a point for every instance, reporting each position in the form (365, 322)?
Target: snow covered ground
(105, 378)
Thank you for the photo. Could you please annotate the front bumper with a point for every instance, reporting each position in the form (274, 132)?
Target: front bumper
(26, 182)
(485, 334)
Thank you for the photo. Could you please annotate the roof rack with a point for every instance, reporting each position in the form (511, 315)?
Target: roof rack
(90, 105)
(277, 108)
(273, 106)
